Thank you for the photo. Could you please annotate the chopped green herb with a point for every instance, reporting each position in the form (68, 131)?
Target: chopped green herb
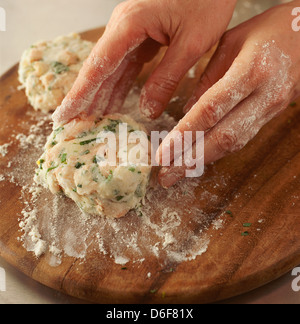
(88, 141)
(79, 186)
(98, 120)
(112, 127)
(59, 68)
(109, 176)
(245, 233)
(293, 104)
(75, 189)
(153, 291)
(63, 158)
(82, 135)
(53, 143)
(229, 213)
(131, 169)
(98, 159)
(119, 198)
(247, 225)
(86, 152)
(123, 268)
(78, 165)
(52, 168)
(139, 192)
(40, 163)
(57, 131)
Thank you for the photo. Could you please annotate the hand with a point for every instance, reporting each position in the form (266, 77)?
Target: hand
(252, 77)
(136, 31)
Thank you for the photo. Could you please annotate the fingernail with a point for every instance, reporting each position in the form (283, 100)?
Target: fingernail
(150, 108)
(168, 177)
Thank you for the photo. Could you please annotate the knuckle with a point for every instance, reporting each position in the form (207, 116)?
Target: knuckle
(226, 141)
(121, 8)
(117, 12)
(194, 49)
(209, 117)
(280, 96)
(164, 85)
(129, 8)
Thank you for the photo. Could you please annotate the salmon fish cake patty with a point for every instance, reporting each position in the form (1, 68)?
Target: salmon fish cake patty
(75, 162)
(48, 69)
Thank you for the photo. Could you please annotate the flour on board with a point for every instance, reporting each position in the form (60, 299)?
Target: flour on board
(4, 149)
(53, 226)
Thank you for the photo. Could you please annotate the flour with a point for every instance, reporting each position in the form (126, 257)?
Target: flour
(121, 260)
(218, 223)
(169, 224)
(4, 149)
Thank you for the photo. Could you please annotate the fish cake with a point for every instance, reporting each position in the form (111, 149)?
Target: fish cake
(72, 164)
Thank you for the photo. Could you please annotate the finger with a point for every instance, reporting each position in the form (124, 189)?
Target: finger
(226, 53)
(230, 135)
(104, 60)
(215, 104)
(215, 70)
(143, 54)
(189, 163)
(104, 95)
(167, 177)
(122, 88)
(161, 85)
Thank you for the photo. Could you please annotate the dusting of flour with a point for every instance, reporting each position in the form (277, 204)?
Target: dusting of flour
(169, 225)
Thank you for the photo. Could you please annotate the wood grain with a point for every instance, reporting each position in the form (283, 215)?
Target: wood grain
(262, 188)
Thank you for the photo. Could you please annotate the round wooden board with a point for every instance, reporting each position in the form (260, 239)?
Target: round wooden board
(263, 189)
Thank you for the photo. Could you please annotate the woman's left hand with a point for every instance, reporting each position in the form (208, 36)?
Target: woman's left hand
(252, 77)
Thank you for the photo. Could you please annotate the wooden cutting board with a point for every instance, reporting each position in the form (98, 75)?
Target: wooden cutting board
(262, 189)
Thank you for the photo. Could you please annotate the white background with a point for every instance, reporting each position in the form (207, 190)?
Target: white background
(31, 20)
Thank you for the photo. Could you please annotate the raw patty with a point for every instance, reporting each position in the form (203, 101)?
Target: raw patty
(70, 164)
(48, 69)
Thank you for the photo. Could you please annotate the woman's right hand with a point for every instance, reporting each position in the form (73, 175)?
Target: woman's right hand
(134, 34)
